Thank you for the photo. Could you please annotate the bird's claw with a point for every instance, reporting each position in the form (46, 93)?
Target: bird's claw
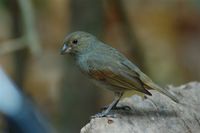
(127, 108)
(98, 115)
(103, 114)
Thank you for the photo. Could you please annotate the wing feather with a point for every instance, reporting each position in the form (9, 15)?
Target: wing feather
(148, 83)
(118, 78)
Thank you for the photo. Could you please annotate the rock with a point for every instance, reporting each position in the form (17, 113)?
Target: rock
(155, 114)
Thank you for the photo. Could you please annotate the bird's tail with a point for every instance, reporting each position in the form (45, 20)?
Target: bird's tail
(149, 84)
(163, 91)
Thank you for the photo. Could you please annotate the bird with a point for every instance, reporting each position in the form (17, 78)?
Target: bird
(108, 68)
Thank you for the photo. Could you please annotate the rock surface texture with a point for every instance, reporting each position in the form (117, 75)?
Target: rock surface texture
(156, 114)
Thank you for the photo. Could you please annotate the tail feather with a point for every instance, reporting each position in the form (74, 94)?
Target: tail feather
(163, 91)
(149, 84)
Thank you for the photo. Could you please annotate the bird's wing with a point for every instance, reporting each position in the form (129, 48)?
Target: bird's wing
(113, 73)
(148, 83)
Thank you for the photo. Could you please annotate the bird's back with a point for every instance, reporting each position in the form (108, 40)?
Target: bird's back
(106, 63)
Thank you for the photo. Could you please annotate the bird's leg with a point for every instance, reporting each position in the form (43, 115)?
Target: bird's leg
(115, 107)
(104, 113)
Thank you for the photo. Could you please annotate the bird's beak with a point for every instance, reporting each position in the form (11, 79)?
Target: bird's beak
(65, 49)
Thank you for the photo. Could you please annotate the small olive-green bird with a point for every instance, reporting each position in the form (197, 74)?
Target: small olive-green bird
(108, 67)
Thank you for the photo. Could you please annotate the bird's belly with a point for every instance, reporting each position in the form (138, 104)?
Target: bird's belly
(104, 85)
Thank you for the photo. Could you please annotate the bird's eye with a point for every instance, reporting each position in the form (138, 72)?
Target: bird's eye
(75, 41)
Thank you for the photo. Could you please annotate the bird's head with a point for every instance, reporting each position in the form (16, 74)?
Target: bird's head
(77, 42)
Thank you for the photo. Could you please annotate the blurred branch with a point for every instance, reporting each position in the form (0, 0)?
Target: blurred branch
(12, 45)
(130, 38)
(91, 18)
(31, 34)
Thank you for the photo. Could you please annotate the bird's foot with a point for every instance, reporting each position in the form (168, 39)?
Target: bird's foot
(126, 108)
(103, 114)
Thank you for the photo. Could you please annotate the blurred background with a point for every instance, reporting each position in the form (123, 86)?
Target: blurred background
(161, 37)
